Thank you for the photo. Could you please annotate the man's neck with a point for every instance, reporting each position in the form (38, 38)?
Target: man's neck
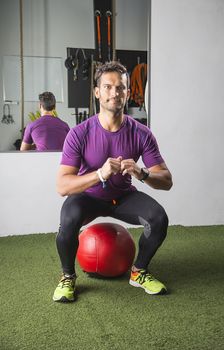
(110, 121)
(47, 113)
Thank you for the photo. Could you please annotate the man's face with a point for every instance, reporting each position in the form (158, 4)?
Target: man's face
(112, 92)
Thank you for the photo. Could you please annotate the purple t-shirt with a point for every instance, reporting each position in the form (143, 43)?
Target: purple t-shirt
(88, 145)
(47, 132)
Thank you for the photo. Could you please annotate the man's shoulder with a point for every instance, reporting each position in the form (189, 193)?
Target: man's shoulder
(41, 120)
(60, 121)
(86, 125)
(32, 124)
(137, 125)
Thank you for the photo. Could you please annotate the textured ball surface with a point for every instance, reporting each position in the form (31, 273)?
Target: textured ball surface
(106, 249)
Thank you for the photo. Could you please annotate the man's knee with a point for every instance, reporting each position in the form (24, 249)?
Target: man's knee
(161, 219)
(156, 223)
(71, 217)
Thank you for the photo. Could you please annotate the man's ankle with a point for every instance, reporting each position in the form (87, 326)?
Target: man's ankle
(135, 269)
(70, 276)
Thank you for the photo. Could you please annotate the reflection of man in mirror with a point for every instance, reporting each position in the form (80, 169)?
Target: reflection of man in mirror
(48, 132)
(99, 160)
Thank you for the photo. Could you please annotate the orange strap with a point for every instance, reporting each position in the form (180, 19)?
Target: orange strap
(108, 30)
(98, 29)
(138, 81)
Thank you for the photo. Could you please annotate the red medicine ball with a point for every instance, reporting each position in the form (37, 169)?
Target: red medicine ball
(106, 249)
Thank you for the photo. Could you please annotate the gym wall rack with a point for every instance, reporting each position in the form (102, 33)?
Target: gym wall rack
(80, 62)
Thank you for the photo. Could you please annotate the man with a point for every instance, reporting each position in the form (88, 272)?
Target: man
(99, 159)
(48, 132)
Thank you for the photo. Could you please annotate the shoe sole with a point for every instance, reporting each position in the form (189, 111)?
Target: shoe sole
(64, 300)
(136, 284)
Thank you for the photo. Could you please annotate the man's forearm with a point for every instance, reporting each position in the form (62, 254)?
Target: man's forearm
(70, 184)
(161, 180)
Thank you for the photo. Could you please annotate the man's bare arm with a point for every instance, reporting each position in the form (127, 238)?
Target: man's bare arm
(159, 177)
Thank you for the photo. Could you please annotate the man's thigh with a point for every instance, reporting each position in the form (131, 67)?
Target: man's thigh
(83, 208)
(135, 208)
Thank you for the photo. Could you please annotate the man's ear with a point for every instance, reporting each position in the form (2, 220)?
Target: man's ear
(128, 94)
(97, 92)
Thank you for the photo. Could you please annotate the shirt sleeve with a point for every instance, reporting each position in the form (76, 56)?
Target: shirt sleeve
(151, 155)
(27, 137)
(71, 153)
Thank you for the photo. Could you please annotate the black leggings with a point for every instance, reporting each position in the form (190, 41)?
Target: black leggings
(135, 208)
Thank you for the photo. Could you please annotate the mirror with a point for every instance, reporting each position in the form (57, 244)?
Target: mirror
(49, 28)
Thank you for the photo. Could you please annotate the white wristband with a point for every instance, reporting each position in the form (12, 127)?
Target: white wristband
(100, 175)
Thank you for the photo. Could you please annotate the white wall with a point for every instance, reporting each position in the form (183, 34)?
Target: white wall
(28, 201)
(49, 27)
(187, 105)
(132, 24)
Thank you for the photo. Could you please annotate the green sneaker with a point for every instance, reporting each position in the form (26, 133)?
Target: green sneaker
(65, 291)
(145, 280)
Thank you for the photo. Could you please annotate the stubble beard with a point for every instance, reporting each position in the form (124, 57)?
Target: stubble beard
(116, 108)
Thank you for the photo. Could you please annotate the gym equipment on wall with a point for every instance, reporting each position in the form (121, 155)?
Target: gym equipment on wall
(109, 15)
(137, 84)
(80, 116)
(73, 63)
(98, 33)
(7, 117)
(79, 64)
(104, 29)
(80, 91)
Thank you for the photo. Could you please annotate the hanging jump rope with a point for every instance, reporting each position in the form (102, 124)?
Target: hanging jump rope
(98, 15)
(109, 15)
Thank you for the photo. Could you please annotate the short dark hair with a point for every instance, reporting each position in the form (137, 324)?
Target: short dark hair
(47, 100)
(112, 66)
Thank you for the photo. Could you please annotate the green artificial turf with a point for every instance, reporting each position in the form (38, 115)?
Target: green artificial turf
(109, 314)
